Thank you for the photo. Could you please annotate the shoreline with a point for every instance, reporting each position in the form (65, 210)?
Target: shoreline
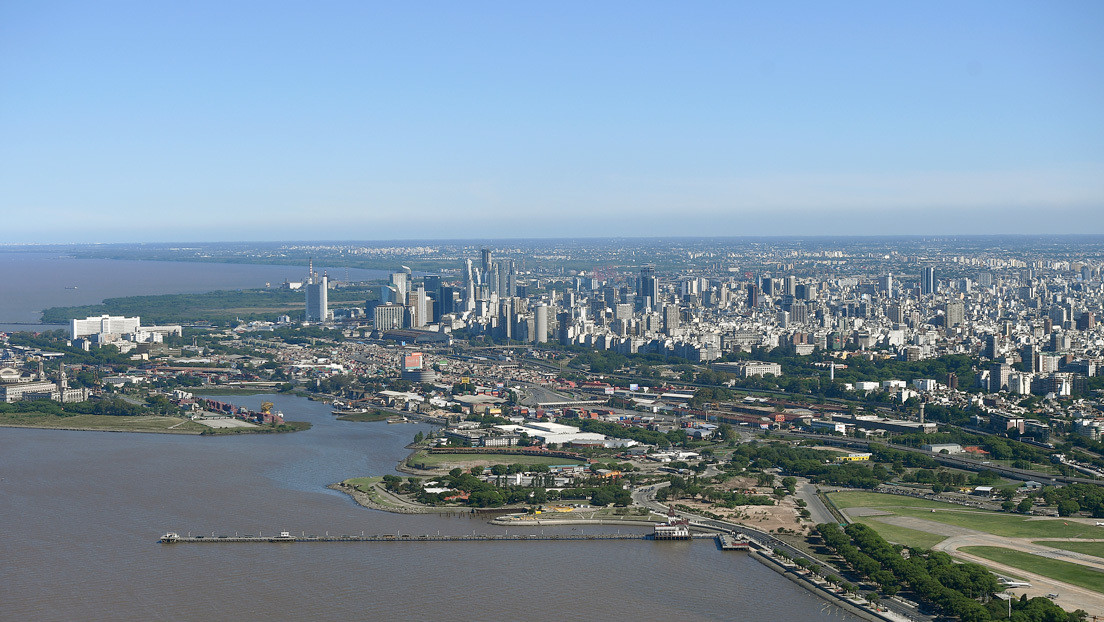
(821, 591)
(365, 500)
(192, 432)
(78, 429)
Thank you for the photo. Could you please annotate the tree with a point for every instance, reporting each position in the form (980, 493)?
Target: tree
(419, 437)
(790, 484)
(1068, 507)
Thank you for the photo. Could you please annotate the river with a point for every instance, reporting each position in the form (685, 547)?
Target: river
(80, 513)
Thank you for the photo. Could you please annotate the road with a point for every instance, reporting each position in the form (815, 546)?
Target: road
(819, 513)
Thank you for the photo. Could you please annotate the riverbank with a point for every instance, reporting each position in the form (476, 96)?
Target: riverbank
(821, 590)
(104, 423)
(374, 497)
(145, 424)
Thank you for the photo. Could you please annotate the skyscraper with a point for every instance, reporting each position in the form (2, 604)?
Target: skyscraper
(927, 281)
(433, 290)
(885, 284)
(541, 323)
(647, 287)
(317, 290)
(486, 266)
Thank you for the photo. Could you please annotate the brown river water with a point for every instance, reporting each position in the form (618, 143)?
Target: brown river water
(81, 512)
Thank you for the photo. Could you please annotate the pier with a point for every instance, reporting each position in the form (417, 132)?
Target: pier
(727, 542)
(285, 537)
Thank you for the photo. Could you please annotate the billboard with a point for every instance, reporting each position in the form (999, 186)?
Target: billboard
(412, 361)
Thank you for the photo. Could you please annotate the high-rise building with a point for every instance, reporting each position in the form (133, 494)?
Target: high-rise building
(992, 346)
(752, 296)
(1027, 356)
(317, 290)
(647, 287)
(389, 316)
(541, 323)
(486, 264)
(401, 282)
(885, 284)
(799, 313)
(565, 323)
(954, 314)
(432, 284)
(447, 303)
(1086, 321)
(998, 377)
(670, 319)
(927, 281)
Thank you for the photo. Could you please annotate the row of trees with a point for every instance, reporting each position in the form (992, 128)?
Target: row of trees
(112, 406)
(963, 590)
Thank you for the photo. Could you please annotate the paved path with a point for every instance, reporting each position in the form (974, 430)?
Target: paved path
(817, 510)
(1069, 597)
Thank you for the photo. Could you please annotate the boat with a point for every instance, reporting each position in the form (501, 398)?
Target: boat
(283, 537)
(169, 537)
(70, 287)
(396, 420)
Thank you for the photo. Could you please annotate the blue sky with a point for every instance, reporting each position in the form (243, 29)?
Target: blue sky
(156, 121)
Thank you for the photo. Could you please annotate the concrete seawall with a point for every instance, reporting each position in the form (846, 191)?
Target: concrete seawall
(821, 592)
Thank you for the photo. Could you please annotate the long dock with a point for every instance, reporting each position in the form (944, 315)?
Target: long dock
(174, 538)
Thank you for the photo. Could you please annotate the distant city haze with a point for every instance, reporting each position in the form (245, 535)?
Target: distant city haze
(247, 121)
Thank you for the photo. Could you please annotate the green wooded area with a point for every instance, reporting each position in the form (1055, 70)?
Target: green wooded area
(218, 306)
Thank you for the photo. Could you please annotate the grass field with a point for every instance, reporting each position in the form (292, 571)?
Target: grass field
(1096, 549)
(884, 501)
(107, 423)
(902, 535)
(434, 461)
(1066, 572)
(363, 483)
(996, 523)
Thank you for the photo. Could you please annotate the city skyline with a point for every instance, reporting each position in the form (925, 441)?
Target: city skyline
(274, 122)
